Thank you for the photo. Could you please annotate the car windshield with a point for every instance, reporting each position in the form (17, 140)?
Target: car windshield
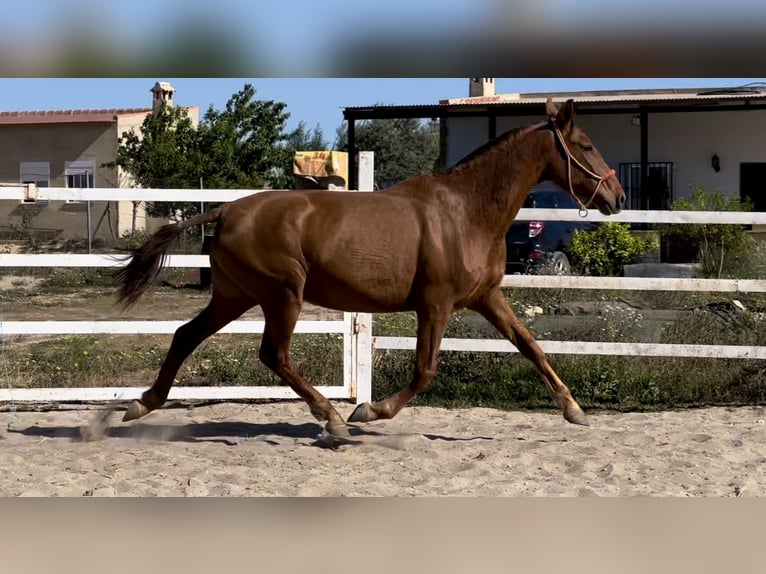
(550, 199)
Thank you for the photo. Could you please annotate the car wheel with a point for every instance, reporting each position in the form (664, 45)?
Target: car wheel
(559, 264)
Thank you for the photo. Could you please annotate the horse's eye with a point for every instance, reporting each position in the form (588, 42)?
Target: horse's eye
(587, 148)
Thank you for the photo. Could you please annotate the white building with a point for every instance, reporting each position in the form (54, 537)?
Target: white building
(715, 138)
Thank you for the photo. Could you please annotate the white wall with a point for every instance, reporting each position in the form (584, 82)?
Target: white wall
(688, 140)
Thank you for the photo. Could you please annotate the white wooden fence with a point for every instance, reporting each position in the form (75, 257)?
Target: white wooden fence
(356, 328)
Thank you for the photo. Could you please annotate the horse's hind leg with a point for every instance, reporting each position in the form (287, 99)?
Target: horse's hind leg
(496, 310)
(188, 337)
(281, 313)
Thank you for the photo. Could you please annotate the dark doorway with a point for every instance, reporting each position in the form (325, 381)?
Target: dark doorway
(752, 184)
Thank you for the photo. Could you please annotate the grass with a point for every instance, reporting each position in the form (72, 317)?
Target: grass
(90, 361)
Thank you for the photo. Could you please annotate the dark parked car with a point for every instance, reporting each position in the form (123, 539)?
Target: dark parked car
(539, 246)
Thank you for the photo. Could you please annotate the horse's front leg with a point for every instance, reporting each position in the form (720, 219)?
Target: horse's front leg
(431, 326)
(498, 312)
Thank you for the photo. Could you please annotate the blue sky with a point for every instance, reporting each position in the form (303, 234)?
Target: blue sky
(312, 100)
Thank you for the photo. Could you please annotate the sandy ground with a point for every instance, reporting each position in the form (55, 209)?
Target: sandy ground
(268, 450)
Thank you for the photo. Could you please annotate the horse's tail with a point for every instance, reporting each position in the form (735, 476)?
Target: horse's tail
(147, 261)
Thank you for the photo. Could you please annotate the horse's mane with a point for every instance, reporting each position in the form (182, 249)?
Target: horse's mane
(496, 142)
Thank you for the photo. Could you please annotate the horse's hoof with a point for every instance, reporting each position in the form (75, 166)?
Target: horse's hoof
(575, 416)
(136, 410)
(363, 414)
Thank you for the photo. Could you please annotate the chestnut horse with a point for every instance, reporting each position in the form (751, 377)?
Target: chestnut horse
(431, 244)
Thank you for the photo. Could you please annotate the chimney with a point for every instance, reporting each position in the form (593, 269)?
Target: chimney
(480, 87)
(162, 93)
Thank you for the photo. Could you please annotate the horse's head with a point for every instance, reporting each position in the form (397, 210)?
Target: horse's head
(578, 166)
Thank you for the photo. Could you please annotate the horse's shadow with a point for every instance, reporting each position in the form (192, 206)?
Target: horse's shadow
(224, 432)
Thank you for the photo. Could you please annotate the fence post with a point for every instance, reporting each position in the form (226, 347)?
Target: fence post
(349, 354)
(362, 324)
(361, 353)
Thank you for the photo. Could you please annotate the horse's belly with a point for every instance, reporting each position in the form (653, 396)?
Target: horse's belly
(373, 295)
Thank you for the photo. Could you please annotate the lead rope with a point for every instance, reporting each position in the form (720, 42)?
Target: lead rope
(583, 211)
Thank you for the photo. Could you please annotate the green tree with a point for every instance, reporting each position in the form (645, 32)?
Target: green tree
(403, 147)
(166, 153)
(303, 139)
(242, 146)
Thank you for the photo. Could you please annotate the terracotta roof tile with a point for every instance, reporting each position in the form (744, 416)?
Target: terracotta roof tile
(106, 115)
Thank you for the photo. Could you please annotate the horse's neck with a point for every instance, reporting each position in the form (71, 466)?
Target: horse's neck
(498, 181)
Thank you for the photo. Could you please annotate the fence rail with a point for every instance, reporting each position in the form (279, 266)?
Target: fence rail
(149, 327)
(539, 281)
(356, 328)
(636, 283)
(30, 192)
(586, 348)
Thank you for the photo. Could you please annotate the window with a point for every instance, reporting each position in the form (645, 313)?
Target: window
(659, 183)
(37, 172)
(79, 174)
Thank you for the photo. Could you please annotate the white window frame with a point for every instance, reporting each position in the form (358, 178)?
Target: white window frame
(36, 172)
(80, 167)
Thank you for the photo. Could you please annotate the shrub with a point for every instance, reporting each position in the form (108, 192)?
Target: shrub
(607, 249)
(722, 250)
(131, 240)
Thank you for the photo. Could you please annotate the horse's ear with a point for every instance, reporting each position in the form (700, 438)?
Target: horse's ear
(566, 115)
(550, 108)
